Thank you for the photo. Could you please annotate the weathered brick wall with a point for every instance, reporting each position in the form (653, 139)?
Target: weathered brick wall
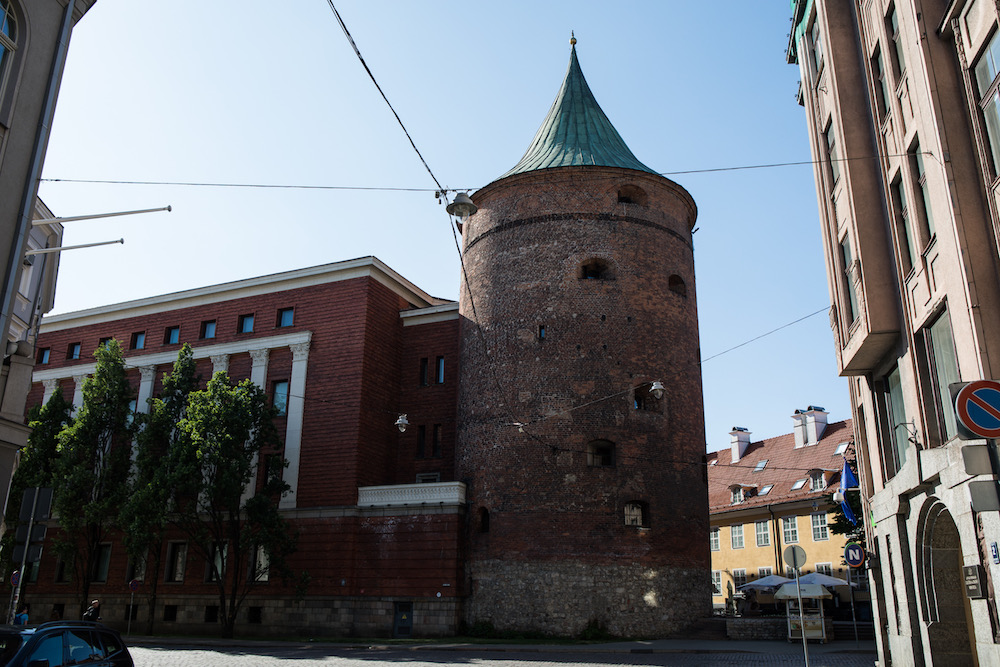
(524, 251)
(757, 628)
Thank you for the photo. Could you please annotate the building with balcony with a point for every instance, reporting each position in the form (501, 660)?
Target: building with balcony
(900, 99)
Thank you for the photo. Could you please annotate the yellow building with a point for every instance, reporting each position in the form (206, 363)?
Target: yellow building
(764, 496)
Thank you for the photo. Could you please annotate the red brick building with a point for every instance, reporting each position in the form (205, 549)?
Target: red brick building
(551, 477)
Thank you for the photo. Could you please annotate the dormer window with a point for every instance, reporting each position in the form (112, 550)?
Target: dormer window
(737, 495)
(817, 480)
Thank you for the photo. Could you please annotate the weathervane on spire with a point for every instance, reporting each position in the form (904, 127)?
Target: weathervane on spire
(572, 38)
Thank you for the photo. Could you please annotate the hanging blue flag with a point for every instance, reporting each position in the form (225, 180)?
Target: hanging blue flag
(848, 481)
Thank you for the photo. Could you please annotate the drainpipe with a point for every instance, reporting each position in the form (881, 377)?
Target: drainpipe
(777, 543)
(35, 168)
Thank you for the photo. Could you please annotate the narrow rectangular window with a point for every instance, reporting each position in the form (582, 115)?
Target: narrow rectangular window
(987, 69)
(176, 562)
(279, 397)
(439, 370)
(892, 28)
(763, 533)
(884, 96)
(907, 248)
(421, 441)
(943, 362)
(245, 323)
(101, 563)
(816, 42)
(736, 536)
(716, 582)
(43, 355)
(424, 378)
(713, 538)
(73, 352)
(896, 422)
(820, 531)
(208, 329)
(261, 566)
(215, 568)
(541, 332)
(917, 166)
(851, 302)
(171, 335)
(436, 442)
(790, 529)
(138, 341)
(739, 577)
(286, 317)
(831, 145)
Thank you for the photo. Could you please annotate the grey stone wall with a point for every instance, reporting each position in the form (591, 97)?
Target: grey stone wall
(562, 598)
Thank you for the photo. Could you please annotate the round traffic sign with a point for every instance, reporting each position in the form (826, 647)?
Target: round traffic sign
(854, 554)
(977, 406)
(15, 578)
(795, 556)
(133, 585)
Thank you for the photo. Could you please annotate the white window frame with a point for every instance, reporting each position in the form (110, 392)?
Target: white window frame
(764, 572)
(820, 527)
(739, 577)
(736, 536)
(790, 529)
(713, 538)
(763, 530)
(824, 568)
(817, 480)
(716, 582)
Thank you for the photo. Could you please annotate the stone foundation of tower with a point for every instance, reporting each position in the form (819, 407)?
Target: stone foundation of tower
(625, 600)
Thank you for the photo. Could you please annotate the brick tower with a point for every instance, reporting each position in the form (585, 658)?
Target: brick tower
(587, 494)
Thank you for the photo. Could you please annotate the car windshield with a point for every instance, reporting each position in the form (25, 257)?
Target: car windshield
(8, 647)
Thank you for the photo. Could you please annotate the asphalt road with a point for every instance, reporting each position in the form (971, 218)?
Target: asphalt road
(326, 656)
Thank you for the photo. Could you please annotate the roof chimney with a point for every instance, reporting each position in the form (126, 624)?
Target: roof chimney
(740, 441)
(815, 424)
(799, 428)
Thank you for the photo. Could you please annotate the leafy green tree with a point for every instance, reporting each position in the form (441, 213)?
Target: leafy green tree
(38, 461)
(93, 465)
(237, 528)
(144, 516)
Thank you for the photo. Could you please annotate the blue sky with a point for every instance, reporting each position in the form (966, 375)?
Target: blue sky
(260, 92)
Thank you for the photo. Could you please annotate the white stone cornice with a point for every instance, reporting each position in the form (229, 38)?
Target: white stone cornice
(429, 315)
(158, 358)
(437, 493)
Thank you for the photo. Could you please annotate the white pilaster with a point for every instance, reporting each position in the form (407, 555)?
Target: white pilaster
(49, 387)
(147, 376)
(220, 362)
(78, 391)
(293, 428)
(258, 371)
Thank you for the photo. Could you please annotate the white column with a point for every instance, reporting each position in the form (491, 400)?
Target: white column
(220, 362)
(258, 375)
(147, 376)
(49, 389)
(293, 428)
(78, 391)
(258, 371)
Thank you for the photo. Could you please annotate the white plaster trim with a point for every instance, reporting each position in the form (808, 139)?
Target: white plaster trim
(444, 493)
(289, 280)
(429, 315)
(203, 352)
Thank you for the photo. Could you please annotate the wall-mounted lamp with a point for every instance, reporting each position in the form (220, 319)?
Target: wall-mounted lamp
(402, 422)
(461, 207)
(656, 389)
(838, 496)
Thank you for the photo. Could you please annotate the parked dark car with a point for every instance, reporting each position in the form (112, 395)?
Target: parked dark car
(62, 643)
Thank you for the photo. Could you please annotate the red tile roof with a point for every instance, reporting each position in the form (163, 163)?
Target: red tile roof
(785, 466)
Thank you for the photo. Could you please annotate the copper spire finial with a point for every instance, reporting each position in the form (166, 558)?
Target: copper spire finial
(572, 38)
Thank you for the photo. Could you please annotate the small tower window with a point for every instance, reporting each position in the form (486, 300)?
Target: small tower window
(637, 514)
(601, 454)
(596, 269)
(632, 194)
(484, 520)
(643, 399)
(677, 286)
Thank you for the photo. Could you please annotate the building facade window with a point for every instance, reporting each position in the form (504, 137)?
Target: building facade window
(101, 563)
(736, 495)
(825, 568)
(816, 44)
(260, 568)
(896, 424)
(439, 370)
(847, 283)
(764, 572)
(8, 42)
(171, 335)
(245, 324)
(831, 149)
(739, 577)
(790, 529)
(176, 562)
(600, 454)
(920, 173)
(286, 317)
(878, 67)
(104, 341)
(766, 489)
(892, 29)
(207, 329)
(216, 565)
(138, 341)
(817, 480)
(716, 582)
(43, 355)
(736, 536)
(73, 351)
(763, 529)
(636, 514)
(939, 346)
(987, 69)
(799, 483)
(907, 246)
(760, 465)
(279, 398)
(820, 531)
(713, 538)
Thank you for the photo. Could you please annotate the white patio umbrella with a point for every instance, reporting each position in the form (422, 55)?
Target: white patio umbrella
(764, 583)
(788, 592)
(822, 579)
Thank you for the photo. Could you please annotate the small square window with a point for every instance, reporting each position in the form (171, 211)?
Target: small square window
(73, 351)
(43, 355)
(841, 448)
(245, 324)
(208, 329)
(169, 613)
(799, 483)
(766, 489)
(286, 317)
(138, 341)
(103, 341)
(760, 465)
(171, 335)
(636, 514)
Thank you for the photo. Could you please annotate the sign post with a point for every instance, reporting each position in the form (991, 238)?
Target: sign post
(133, 586)
(796, 557)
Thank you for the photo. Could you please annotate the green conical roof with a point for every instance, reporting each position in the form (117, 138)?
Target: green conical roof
(576, 132)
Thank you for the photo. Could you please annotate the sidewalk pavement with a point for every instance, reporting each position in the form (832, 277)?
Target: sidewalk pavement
(849, 647)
